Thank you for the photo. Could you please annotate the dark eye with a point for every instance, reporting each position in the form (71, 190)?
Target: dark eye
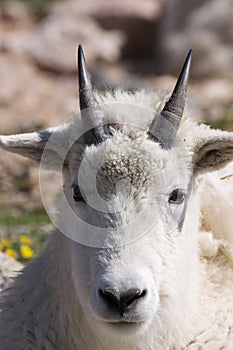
(176, 197)
(77, 195)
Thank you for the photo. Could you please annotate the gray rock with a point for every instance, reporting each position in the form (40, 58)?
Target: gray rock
(206, 26)
(14, 10)
(107, 30)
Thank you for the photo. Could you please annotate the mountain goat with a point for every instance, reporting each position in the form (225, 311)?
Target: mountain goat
(123, 269)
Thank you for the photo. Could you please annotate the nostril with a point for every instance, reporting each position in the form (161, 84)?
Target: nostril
(108, 296)
(123, 300)
(128, 298)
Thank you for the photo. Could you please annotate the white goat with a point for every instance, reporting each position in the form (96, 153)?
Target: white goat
(126, 272)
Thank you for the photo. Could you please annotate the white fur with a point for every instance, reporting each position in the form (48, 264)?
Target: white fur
(53, 304)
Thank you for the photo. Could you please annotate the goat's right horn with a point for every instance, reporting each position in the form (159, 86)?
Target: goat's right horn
(92, 118)
(164, 128)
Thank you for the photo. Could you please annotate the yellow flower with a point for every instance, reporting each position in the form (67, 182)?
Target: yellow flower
(25, 239)
(5, 243)
(11, 252)
(26, 251)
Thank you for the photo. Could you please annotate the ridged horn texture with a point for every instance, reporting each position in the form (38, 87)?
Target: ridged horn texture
(164, 128)
(91, 113)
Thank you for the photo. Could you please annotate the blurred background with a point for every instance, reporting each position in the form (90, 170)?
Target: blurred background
(127, 43)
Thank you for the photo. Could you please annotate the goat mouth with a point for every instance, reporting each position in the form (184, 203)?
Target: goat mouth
(123, 328)
(127, 323)
(124, 325)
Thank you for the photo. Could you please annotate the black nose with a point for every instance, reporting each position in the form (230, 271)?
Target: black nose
(121, 301)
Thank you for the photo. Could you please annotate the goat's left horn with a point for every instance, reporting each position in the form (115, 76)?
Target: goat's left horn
(164, 128)
(93, 118)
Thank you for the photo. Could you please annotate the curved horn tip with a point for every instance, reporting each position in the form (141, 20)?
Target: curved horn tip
(84, 81)
(184, 75)
(188, 60)
(80, 54)
(190, 54)
(187, 63)
(80, 47)
(164, 128)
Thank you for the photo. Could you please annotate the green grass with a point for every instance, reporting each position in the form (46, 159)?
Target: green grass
(225, 121)
(27, 217)
(38, 8)
(34, 223)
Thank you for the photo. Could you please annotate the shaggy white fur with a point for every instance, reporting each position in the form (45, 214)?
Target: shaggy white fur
(52, 305)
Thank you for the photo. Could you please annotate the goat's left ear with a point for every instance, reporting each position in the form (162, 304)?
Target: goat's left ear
(32, 145)
(212, 149)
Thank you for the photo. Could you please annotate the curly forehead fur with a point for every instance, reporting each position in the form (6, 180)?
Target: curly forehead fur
(122, 168)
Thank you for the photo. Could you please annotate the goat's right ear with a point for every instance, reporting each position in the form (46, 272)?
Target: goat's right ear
(213, 149)
(32, 145)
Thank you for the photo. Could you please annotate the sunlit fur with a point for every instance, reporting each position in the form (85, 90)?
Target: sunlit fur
(53, 304)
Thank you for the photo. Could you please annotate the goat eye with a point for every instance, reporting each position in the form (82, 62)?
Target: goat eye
(176, 197)
(77, 195)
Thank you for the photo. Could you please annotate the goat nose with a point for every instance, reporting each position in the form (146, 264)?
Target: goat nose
(121, 301)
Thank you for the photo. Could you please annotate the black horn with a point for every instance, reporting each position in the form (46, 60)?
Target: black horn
(164, 128)
(92, 115)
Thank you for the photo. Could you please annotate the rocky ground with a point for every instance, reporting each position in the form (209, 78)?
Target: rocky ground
(128, 43)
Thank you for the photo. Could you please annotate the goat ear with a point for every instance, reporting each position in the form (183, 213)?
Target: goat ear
(213, 149)
(32, 145)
